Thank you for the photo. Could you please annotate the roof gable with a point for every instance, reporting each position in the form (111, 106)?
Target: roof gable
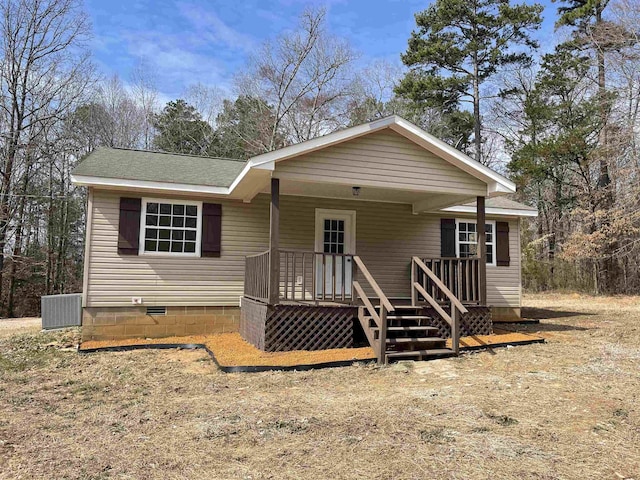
(383, 159)
(496, 183)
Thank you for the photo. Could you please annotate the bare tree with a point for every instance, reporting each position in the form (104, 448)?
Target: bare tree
(145, 95)
(305, 77)
(624, 66)
(45, 70)
(207, 100)
(373, 93)
(125, 122)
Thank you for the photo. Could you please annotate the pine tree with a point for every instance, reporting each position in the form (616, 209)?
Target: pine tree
(589, 30)
(460, 44)
(244, 128)
(181, 130)
(552, 156)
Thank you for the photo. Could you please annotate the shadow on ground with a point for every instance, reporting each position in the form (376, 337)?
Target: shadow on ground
(533, 313)
(544, 321)
(552, 327)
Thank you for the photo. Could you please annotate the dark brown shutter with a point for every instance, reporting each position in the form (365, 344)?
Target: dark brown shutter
(211, 229)
(447, 237)
(129, 226)
(502, 246)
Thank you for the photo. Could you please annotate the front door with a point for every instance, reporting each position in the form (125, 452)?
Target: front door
(335, 234)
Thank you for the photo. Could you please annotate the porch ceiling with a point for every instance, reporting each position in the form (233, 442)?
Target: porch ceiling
(421, 201)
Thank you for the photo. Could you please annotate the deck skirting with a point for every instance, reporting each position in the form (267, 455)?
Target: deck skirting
(477, 321)
(282, 328)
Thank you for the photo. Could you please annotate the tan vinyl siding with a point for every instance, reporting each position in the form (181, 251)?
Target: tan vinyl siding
(387, 235)
(382, 159)
(503, 283)
(193, 281)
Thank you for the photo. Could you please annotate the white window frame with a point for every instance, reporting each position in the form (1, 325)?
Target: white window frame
(493, 244)
(143, 220)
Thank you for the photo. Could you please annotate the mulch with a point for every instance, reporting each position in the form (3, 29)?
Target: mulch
(232, 353)
(231, 350)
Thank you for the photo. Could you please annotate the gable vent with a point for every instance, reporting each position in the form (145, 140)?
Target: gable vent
(156, 310)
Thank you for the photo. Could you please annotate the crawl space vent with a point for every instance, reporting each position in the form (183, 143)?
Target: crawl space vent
(156, 310)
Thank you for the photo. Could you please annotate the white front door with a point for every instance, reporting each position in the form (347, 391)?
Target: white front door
(335, 233)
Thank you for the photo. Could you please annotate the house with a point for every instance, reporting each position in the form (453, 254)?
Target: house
(370, 230)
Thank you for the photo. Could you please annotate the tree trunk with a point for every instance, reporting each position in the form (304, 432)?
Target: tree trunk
(62, 234)
(604, 180)
(50, 222)
(5, 197)
(476, 112)
(17, 247)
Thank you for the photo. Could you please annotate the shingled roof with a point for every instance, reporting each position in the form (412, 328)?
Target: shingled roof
(504, 203)
(141, 165)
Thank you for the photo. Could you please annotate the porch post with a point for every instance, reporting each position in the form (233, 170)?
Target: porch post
(274, 243)
(482, 250)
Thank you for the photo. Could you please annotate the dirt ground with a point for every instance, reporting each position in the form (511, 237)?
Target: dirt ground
(565, 409)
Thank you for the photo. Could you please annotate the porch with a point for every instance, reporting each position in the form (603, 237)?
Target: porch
(324, 297)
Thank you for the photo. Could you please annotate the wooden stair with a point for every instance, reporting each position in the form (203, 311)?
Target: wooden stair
(402, 331)
(410, 335)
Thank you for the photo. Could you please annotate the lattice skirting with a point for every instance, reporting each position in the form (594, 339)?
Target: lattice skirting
(281, 328)
(475, 322)
(253, 317)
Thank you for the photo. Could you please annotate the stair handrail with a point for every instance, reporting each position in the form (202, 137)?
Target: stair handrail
(456, 305)
(385, 307)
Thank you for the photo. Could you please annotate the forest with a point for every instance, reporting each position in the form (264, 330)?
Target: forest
(561, 119)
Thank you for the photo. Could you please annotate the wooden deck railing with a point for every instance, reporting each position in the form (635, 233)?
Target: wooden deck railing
(418, 290)
(379, 316)
(256, 276)
(315, 276)
(460, 275)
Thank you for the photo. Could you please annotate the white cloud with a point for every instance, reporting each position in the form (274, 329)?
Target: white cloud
(210, 27)
(177, 61)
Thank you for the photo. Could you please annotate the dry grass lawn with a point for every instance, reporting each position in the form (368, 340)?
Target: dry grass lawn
(10, 326)
(565, 409)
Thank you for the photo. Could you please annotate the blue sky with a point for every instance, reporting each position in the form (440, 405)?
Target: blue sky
(188, 41)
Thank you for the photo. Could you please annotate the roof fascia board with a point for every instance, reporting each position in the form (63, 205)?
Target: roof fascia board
(507, 212)
(147, 185)
(496, 189)
(239, 178)
(437, 203)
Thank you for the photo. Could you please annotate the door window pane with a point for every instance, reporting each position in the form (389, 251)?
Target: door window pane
(333, 236)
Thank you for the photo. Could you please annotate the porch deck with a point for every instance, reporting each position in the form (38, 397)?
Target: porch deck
(321, 304)
(310, 299)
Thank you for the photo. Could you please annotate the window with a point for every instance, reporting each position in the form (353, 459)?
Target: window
(170, 227)
(333, 236)
(467, 240)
